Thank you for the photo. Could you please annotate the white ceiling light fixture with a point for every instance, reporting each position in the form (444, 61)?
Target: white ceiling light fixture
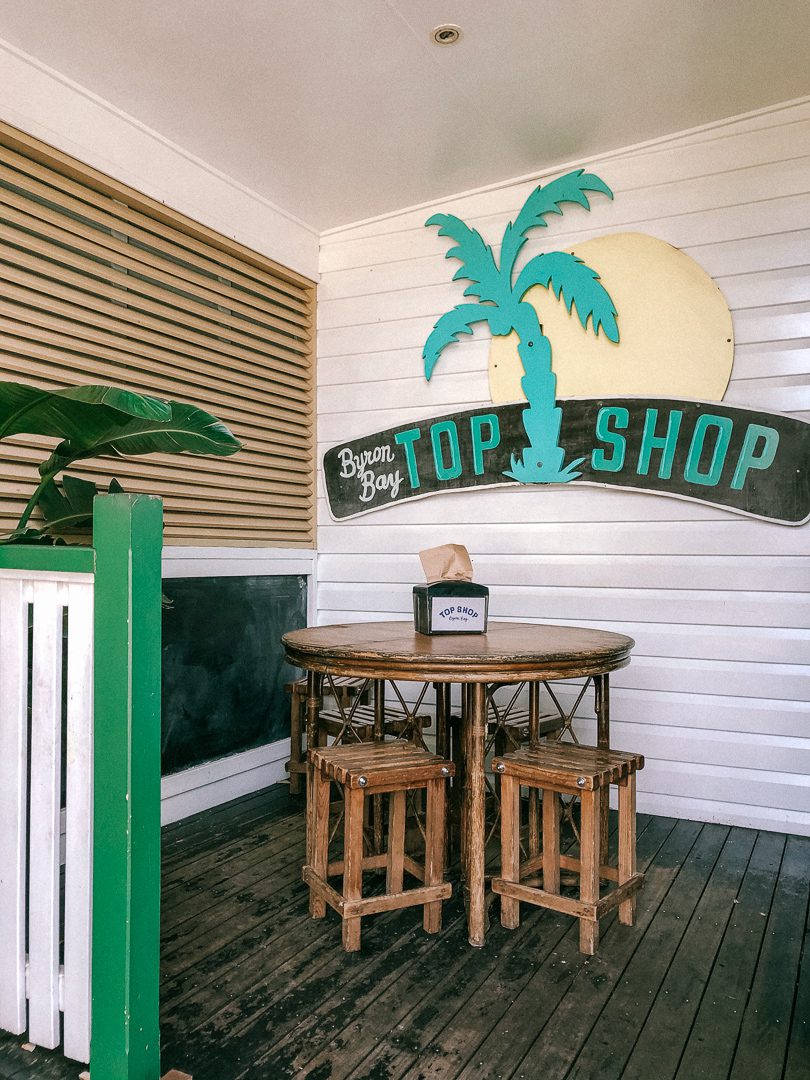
(446, 34)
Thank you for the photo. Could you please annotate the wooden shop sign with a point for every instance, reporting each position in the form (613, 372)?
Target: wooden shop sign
(749, 462)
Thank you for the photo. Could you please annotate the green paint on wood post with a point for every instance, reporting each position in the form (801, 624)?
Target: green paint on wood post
(125, 1040)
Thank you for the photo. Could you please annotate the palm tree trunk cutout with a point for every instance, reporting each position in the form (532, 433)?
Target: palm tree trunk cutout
(501, 306)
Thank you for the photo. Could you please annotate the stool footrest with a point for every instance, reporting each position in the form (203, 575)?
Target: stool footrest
(379, 862)
(371, 905)
(535, 863)
(567, 904)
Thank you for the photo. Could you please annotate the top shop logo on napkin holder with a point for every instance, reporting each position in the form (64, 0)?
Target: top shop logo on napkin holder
(450, 603)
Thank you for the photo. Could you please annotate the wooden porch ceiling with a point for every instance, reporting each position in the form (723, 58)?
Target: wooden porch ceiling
(713, 981)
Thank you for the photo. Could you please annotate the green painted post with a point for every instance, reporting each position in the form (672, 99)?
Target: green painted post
(125, 1035)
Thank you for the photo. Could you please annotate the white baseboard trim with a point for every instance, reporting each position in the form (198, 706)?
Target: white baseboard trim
(747, 817)
(204, 786)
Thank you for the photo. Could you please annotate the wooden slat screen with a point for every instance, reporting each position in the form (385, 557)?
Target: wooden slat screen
(99, 284)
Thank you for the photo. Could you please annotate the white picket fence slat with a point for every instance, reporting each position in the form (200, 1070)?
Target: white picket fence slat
(13, 802)
(30, 848)
(78, 824)
(45, 817)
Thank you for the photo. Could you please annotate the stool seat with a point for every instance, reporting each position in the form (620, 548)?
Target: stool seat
(587, 771)
(377, 769)
(569, 768)
(390, 765)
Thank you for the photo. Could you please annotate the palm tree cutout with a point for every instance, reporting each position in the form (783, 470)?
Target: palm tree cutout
(501, 305)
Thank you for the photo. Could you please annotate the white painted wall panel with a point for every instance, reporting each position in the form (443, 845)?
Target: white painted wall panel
(717, 694)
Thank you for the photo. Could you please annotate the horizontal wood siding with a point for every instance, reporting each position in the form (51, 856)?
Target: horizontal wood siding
(99, 284)
(716, 696)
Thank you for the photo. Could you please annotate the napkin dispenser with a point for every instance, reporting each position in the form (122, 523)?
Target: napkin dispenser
(451, 603)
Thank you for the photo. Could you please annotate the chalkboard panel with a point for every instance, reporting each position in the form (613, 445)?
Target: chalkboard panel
(223, 664)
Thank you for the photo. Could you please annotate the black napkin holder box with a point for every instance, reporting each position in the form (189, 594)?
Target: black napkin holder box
(450, 607)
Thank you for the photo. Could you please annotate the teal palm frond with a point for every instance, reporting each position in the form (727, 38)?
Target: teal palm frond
(578, 284)
(447, 329)
(477, 261)
(570, 188)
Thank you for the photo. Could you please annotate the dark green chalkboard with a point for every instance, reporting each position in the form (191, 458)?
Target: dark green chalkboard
(223, 664)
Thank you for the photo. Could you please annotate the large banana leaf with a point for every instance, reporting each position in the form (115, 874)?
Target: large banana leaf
(73, 412)
(93, 421)
(189, 431)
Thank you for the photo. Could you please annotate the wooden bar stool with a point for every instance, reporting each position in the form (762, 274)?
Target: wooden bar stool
(573, 770)
(362, 769)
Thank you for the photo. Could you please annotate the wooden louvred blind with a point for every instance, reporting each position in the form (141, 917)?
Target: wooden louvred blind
(99, 284)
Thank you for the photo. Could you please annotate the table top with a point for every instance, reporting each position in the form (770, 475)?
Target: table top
(507, 652)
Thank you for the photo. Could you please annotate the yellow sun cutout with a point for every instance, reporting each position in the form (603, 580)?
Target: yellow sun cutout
(676, 338)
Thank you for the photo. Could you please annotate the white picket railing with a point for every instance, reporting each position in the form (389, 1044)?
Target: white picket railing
(34, 918)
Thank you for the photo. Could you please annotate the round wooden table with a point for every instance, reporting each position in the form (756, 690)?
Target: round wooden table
(508, 653)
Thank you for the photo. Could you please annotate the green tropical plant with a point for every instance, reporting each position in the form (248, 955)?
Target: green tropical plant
(94, 421)
(501, 305)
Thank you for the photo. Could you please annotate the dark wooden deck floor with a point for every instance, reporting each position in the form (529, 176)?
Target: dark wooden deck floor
(713, 981)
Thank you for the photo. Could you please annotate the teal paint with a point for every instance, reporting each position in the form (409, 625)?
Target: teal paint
(666, 444)
(724, 427)
(751, 457)
(500, 307)
(479, 443)
(453, 470)
(599, 459)
(406, 440)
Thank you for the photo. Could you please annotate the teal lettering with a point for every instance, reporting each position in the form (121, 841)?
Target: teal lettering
(749, 458)
(599, 459)
(406, 439)
(665, 443)
(705, 423)
(451, 471)
(479, 444)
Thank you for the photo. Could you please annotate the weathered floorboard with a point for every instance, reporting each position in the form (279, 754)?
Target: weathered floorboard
(713, 980)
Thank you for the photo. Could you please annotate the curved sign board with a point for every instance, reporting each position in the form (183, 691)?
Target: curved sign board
(746, 461)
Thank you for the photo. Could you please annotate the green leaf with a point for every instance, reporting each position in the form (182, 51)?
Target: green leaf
(190, 431)
(579, 286)
(71, 411)
(447, 329)
(477, 261)
(570, 188)
(71, 508)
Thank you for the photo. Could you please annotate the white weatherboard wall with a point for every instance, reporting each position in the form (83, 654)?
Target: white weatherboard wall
(716, 694)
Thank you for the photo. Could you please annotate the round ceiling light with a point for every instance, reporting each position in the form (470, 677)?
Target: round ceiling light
(446, 34)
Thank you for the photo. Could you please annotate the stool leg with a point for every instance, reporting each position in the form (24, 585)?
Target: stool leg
(589, 850)
(627, 844)
(320, 841)
(352, 863)
(296, 740)
(510, 848)
(379, 736)
(314, 690)
(551, 841)
(395, 867)
(434, 851)
(534, 739)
